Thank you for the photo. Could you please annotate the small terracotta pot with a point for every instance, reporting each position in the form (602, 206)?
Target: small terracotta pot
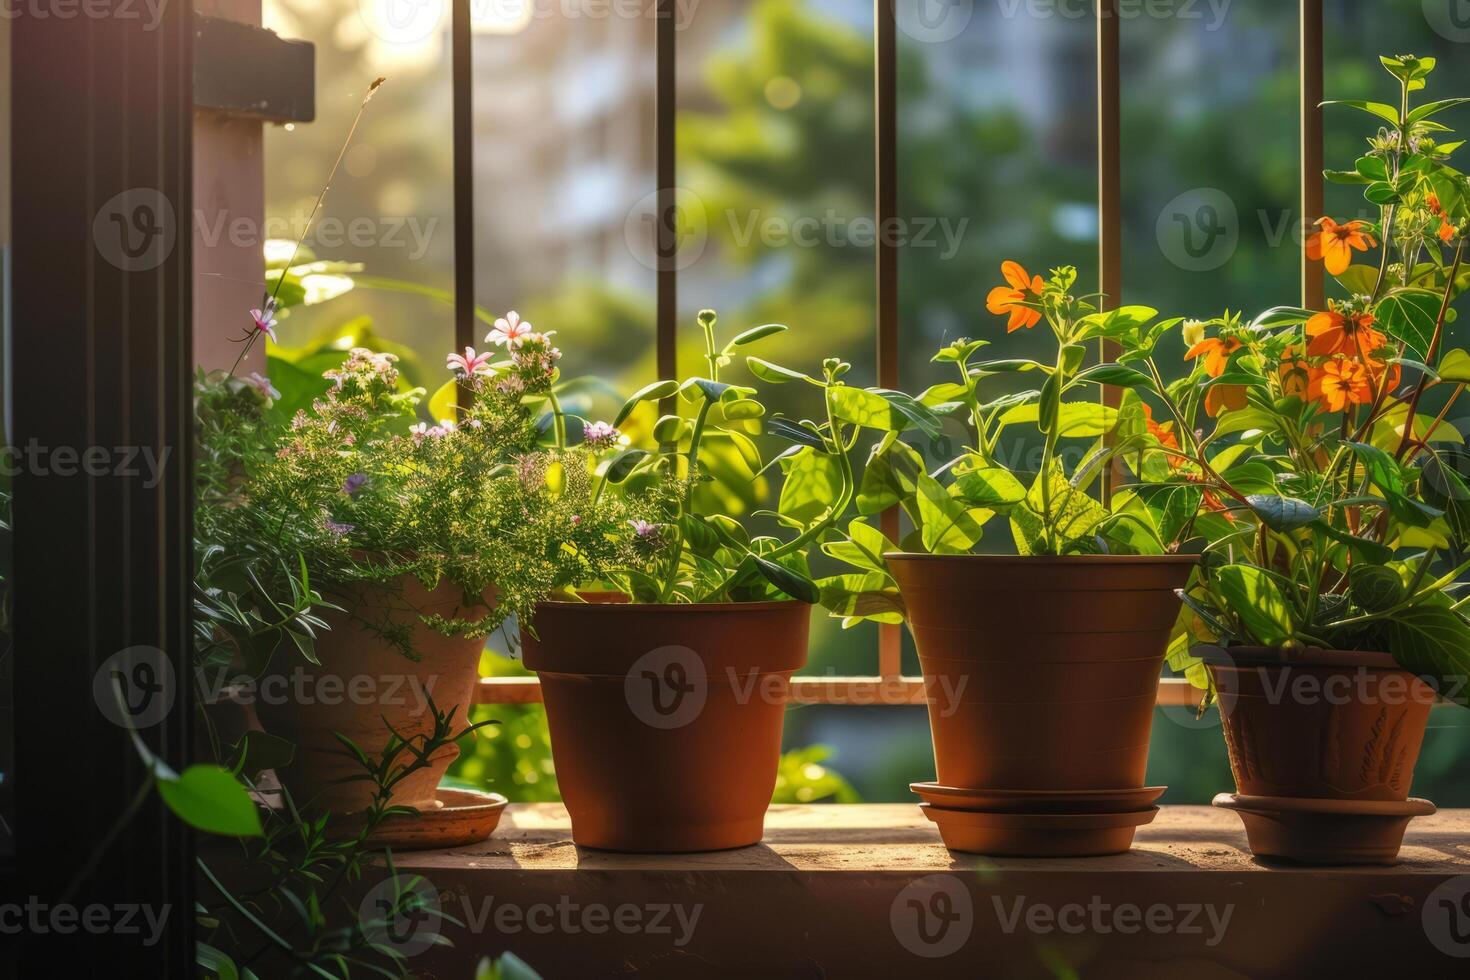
(1041, 673)
(666, 719)
(364, 685)
(1321, 724)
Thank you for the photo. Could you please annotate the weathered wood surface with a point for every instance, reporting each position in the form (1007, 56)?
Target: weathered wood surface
(836, 891)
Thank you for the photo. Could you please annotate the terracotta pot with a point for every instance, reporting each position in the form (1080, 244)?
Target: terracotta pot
(666, 719)
(1322, 724)
(1041, 673)
(364, 685)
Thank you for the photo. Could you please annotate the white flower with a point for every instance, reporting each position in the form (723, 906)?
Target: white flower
(509, 331)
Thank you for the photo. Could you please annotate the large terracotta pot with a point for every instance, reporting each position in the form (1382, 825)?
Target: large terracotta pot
(1041, 673)
(666, 719)
(366, 684)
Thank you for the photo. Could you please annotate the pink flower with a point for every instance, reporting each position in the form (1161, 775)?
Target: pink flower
(263, 385)
(469, 363)
(423, 430)
(644, 529)
(600, 436)
(509, 331)
(265, 320)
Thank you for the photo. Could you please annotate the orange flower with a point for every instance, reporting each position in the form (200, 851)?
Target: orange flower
(1224, 398)
(1375, 374)
(1010, 299)
(1342, 333)
(1334, 243)
(1339, 383)
(1446, 231)
(1164, 433)
(1295, 374)
(1434, 205)
(1216, 351)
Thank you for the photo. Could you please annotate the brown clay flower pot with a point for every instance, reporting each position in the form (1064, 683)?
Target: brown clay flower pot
(1323, 724)
(666, 719)
(1041, 673)
(364, 685)
(1322, 745)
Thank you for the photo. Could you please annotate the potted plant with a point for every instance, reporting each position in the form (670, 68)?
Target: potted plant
(666, 708)
(1330, 614)
(1041, 668)
(415, 539)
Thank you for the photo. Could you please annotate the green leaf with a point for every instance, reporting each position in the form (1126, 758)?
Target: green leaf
(990, 486)
(1433, 641)
(1390, 477)
(1383, 111)
(890, 477)
(623, 463)
(943, 393)
(812, 486)
(648, 393)
(865, 408)
(799, 434)
(1431, 108)
(1375, 588)
(1071, 517)
(210, 799)
(1362, 549)
(1116, 374)
(793, 583)
(1080, 419)
(949, 527)
(1455, 366)
(755, 333)
(258, 751)
(865, 595)
(774, 373)
(1257, 601)
(1281, 513)
(508, 967)
(444, 403)
(1410, 315)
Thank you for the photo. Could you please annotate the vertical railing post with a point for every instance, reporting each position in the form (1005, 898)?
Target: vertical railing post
(462, 77)
(1314, 288)
(885, 84)
(666, 246)
(1109, 191)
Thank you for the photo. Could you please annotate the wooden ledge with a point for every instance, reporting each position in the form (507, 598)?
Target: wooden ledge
(837, 891)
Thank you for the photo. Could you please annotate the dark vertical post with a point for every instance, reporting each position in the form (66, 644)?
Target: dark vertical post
(100, 378)
(1109, 189)
(666, 247)
(885, 92)
(1314, 288)
(462, 77)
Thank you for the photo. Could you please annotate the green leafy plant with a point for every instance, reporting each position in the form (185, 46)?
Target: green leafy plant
(1347, 491)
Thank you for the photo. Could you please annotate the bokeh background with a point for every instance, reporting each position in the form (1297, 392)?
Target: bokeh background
(775, 141)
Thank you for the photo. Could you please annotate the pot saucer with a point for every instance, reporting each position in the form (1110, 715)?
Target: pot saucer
(1037, 834)
(458, 817)
(1038, 800)
(1318, 831)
